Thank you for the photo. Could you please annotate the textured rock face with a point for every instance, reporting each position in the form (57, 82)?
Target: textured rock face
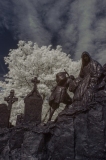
(82, 137)
(77, 134)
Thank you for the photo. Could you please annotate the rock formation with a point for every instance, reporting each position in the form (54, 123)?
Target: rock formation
(78, 133)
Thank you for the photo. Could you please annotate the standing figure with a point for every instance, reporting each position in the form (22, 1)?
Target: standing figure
(59, 93)
(88, 80)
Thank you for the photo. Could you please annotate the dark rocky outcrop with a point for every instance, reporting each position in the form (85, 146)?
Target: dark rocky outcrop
(78, 133)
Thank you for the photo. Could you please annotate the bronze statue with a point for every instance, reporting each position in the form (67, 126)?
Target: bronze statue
(59, 93)
(88, 80)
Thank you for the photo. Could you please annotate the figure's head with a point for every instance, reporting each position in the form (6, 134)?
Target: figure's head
(72, 77)
(85, 57)
(61, 78)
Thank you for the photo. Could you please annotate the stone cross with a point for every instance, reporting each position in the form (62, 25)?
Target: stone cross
(10, 99)
(35, 81)
(5, 110)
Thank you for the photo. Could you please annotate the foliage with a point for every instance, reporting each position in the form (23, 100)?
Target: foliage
(30, 60)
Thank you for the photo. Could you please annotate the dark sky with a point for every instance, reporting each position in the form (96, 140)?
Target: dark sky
(6, 42)
(76, 25)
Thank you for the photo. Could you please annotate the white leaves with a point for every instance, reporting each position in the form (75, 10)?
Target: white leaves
(28, 61)
(21, 43)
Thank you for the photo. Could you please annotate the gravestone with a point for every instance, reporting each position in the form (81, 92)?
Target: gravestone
(5, 110)
(20, 119)
(4, 116)
(33, 104)
(10, 99)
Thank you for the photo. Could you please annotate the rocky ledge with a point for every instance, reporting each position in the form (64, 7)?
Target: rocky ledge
(78, 133)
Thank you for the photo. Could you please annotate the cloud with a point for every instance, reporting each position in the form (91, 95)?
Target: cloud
(78, 35)
(77, 25)
(4, 14)
(100, 40)
(86, 12)
(100, 32)
(28, 23)
(69, 33)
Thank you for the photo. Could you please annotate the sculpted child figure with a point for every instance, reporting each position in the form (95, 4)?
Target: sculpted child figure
(59, 93)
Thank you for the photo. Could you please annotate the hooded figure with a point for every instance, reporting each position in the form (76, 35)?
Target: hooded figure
(88, 80)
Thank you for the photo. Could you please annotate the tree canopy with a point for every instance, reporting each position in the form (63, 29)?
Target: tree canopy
(30, 60)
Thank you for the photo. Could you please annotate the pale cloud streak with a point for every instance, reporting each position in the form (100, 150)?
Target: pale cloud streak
(86, 12)
(28, 22)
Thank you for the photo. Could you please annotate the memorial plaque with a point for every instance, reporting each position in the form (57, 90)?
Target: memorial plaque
(33, 105)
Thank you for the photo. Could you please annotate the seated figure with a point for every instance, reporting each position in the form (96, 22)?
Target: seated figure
(87, 83)
(59, 93)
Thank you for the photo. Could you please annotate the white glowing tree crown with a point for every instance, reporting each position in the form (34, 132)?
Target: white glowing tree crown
(30, 60)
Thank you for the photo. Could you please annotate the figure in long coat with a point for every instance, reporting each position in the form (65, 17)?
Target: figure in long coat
(89, 78)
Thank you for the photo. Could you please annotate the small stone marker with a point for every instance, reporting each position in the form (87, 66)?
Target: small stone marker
(20, 119)
(33, 104)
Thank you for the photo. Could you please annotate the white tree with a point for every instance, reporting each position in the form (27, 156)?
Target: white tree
(28, 61)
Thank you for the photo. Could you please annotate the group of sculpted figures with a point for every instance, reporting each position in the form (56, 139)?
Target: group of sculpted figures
(91, 80)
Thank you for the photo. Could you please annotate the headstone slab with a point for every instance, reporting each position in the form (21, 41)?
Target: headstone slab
(4, 116)
(20, 119)
(33, 109)
(33, 105)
